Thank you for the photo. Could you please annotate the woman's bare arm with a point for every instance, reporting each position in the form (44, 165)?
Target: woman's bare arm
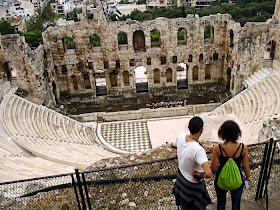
(246, 162)
(215, 157)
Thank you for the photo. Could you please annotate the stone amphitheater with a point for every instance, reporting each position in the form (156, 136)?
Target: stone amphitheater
(36, 140)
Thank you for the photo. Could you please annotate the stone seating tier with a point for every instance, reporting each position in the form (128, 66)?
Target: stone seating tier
(252, 105)
(50, 135)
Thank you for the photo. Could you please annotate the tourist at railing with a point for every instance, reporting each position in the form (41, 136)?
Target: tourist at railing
(230, 148)
(190, 189)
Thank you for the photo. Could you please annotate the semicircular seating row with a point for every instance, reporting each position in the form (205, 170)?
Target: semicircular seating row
(252, 105)
(49, 135)
(18, 164)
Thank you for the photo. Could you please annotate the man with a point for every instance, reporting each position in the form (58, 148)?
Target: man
(190, 189)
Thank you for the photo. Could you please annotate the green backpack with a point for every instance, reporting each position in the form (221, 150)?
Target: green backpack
(230, 177)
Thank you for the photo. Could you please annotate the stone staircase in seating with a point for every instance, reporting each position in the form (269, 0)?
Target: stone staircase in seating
(252, 105)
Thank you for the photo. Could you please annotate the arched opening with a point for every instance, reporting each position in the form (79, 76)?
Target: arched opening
(208, 71)
(190, 58)
(182, 76)
(162, 60)
(155, 38)
(68, 43)
(54, 92)
(228, 78)
(209, 34)
(95, 40)
(272, 49)
(141, 79)
(169, 75)
(74, 82)
(7, 71)
(126, 78)
(87, 81)
(215, 56)
(100, 83)
(182, 36)
(149, 61)
(118, 65)
(156, 74)
(122, 38)
(231, 36)
(201, 58)
(139, 41)
(114, 79)
(195, 73)
(232, 83)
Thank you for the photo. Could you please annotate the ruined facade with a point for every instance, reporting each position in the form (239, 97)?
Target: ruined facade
(76, 58)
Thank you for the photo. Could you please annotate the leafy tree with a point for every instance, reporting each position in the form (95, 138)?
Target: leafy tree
(68, 41)
(6, 28)
(243, 11)
(122, 38)
(207, 31)
(73, 15)
(44, 17)
(33, 38)
(181, 34)
(95, 40)
(155, 36)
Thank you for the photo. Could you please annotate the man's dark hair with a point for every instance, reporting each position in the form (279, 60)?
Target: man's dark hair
(195, 124)
(229, 131)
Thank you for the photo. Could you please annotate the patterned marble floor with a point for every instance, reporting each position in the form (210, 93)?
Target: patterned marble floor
(130, 136)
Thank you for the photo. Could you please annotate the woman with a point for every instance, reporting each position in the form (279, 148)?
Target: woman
(229, 132)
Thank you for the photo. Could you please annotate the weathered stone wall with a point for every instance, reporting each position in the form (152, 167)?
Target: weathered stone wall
(233, 53)
(271, 129)
(146, 113)
(28, 64)
(230, 55)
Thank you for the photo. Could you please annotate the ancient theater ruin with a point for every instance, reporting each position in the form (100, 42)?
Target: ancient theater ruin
(125, 84)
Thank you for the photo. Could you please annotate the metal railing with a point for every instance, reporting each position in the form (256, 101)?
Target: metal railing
(142, 185)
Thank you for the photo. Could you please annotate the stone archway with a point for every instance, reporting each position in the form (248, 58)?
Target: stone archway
(7, 71)
(182, 76)
(156, 74)
(195, 73)
(208, 71)
(228, 78)
(114, 79)
(169, 75)
(126, 78)
(54, 91)
(74, 82)
(87, 81)
(139, 41)
(272, 49)
(141, 79)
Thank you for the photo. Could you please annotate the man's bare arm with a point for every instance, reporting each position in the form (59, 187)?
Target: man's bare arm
(172, 146)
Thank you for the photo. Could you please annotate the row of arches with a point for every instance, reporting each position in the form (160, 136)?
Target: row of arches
(139, 38)
(142, 78)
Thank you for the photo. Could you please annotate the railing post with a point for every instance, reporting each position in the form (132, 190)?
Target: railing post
(76, 193)
(273, 145)
(261, 177)
(80, 189)
(86, 191)
(265, 170)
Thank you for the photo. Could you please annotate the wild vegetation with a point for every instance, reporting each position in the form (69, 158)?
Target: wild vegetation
(243, 11)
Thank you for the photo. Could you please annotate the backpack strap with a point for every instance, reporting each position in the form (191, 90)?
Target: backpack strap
(221, 148)
(237, 150)
(241, 153)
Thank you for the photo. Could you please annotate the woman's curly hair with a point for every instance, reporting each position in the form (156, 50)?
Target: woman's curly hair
(229, 131)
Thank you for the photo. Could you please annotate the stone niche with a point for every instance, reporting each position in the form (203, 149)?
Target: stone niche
(96, 61)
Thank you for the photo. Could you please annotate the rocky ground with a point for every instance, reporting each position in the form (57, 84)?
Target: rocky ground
(153, 194)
